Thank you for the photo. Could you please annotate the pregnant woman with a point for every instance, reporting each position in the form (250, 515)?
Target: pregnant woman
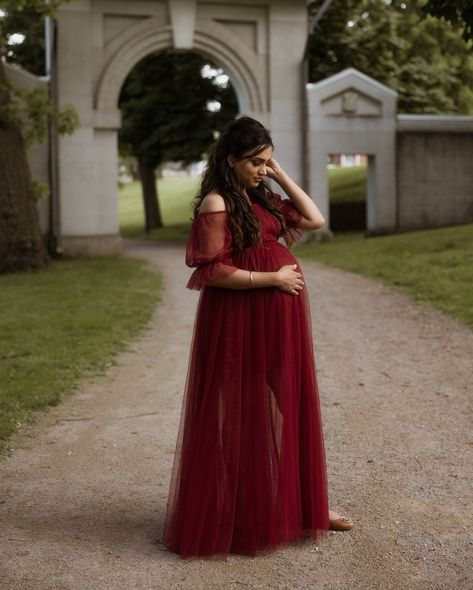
(249, 469)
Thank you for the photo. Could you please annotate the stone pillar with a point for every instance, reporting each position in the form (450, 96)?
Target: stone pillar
(87, 159)
(287, 38)
(381, 206)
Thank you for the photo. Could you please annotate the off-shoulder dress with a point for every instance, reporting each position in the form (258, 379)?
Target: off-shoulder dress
(249, 469)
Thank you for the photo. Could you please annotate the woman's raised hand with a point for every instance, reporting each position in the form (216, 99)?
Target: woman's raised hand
(289, 280)
(273, 169)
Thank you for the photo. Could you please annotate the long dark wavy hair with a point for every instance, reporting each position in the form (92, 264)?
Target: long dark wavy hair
(241, 136)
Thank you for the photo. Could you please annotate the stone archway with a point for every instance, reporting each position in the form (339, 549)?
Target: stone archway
(99, 43)
(211, 40)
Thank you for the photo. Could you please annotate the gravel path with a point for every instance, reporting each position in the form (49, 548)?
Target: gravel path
(84, 491)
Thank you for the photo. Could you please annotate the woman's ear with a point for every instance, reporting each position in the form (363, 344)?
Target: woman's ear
(231, 160)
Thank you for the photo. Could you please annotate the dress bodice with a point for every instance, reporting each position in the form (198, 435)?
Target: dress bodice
(270, 228)
(210, 245)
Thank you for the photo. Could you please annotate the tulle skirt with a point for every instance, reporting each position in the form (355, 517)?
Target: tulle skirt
(249, 469)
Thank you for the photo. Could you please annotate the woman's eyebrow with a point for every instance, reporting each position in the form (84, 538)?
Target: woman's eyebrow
(256, 157)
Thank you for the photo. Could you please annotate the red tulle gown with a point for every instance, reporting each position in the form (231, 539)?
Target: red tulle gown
(249, 469)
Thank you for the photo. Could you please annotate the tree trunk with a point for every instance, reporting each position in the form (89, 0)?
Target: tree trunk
(150, 195)
(21, 244)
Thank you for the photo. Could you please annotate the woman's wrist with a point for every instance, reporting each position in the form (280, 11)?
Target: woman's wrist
(263, 279)
(284, 181)
(240, 279)
(280, 176)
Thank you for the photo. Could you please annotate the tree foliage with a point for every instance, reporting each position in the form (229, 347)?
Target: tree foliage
(457, 12)
(28, 22)
(164, 104)
(166, 116)
(31, 109)
(25, 17)
(425, 59)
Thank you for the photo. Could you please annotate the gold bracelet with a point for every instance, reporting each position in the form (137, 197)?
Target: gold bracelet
(251, 279)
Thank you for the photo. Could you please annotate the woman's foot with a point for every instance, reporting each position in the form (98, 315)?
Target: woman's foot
(339, 523)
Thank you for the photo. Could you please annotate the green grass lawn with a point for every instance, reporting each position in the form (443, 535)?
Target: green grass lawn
(347, 185)
(433, 266)
(175, 196)
(64, 323)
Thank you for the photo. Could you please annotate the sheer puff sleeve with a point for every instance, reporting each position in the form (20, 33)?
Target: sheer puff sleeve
(291, 215)
(209, 248)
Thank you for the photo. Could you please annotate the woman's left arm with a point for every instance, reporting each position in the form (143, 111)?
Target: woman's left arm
(312, 218)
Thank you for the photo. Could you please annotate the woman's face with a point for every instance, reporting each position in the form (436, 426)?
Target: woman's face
(251, 169)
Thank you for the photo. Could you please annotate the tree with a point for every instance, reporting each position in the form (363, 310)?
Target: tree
(29, 23)
(353, 34)
(423, 58)
(459, 12)
(435, 73)
(21, 242)
(166, 116)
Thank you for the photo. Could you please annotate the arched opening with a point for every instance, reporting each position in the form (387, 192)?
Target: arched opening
(97, 48)
(212, 41)
(173, 104)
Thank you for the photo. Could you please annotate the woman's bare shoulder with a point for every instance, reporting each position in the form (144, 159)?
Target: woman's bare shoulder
(212, 202)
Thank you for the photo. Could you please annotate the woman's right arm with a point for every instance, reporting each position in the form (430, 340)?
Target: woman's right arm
(286, 278)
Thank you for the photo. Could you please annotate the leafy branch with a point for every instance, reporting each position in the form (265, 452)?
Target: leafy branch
(30, 110)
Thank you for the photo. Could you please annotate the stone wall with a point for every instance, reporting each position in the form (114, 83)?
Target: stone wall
(434, 162)
(420, 167)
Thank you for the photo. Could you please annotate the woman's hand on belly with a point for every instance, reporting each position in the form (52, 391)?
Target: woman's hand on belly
(289, 280)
